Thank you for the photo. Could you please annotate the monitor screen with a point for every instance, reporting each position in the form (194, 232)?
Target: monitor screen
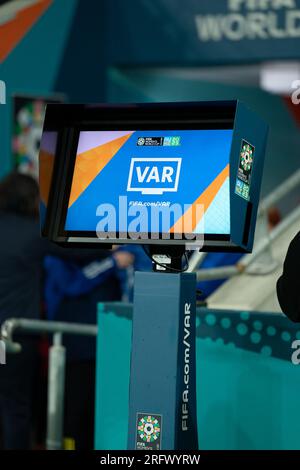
(154, 182)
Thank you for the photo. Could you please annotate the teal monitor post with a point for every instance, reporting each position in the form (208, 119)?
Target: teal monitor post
(162, 394)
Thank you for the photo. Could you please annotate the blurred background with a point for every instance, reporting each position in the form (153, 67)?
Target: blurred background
(168, 50)
(142, 50)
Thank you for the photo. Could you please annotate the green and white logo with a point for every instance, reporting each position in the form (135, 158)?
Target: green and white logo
(148, 429)
(141, 141)
(247, 157)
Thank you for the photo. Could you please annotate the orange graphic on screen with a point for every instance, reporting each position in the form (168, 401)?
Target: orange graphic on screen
(89, 164)
(46, 170)
(192, 216)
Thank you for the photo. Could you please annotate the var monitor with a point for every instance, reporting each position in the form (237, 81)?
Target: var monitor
(163, 173)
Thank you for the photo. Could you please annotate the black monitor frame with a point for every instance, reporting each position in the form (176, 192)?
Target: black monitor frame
(68, 120)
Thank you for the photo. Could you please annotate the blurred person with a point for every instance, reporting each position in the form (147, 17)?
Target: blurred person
(288, 285)
(19, 297)
(21, 252)
(72, 293)
(139, 262)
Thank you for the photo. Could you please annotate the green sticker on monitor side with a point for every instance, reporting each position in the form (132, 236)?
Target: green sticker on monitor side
(243, 180)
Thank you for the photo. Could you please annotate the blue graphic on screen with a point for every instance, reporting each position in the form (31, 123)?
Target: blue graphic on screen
(151, 169)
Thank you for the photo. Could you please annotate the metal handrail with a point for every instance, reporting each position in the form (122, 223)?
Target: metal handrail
(272, 236)
(230, 271)
(280, 192)
(56, 370)
(42, 326)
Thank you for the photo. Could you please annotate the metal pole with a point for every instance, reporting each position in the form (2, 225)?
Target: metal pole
(196, 260)
(56, 391)
(57, 361)
(211, 274)
(286, 187)
(248, 260)
(39, 326)
(273, 235)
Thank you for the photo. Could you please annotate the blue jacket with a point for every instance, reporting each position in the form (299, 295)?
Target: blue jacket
(68, 279)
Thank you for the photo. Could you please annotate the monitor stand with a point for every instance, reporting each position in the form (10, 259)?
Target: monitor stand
(162, 396)
(166, 258)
